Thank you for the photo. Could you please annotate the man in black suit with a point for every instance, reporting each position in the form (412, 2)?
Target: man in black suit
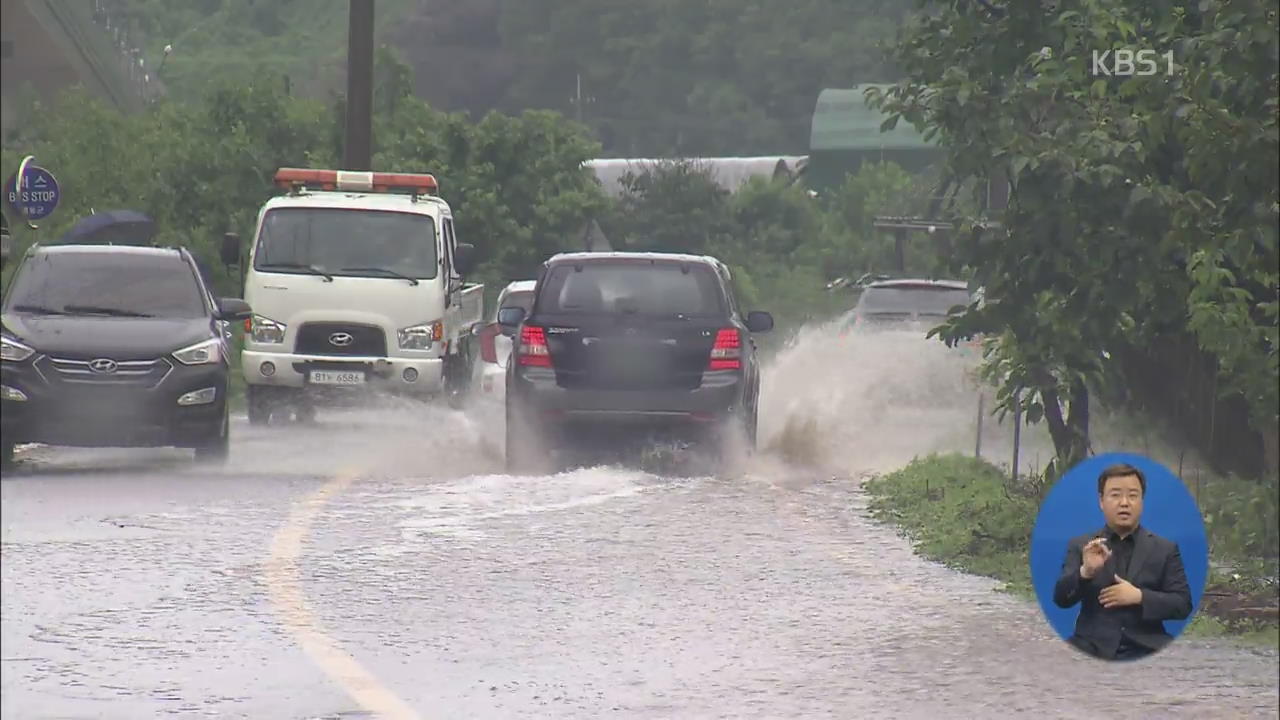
(1127, 579)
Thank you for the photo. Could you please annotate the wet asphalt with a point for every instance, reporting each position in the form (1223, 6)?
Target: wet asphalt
(385, 562)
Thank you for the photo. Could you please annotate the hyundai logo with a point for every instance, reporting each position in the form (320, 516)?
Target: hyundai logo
(103, 366)
(340, 339)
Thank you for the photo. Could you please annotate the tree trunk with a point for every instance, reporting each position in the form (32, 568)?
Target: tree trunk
(1070, 433)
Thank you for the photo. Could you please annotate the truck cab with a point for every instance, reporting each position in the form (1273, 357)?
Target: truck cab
(358, 284)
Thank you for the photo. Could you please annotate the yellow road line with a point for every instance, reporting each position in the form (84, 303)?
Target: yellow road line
(285, 588)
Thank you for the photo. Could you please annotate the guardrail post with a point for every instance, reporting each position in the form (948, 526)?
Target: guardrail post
(1017, 429)
(977, 444)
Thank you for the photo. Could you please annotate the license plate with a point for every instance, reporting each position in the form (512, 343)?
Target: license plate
(336, 377)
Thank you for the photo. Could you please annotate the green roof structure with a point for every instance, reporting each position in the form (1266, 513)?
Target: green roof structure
(846, 132)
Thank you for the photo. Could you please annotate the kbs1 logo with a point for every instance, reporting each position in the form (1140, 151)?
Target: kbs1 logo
(1130, 63)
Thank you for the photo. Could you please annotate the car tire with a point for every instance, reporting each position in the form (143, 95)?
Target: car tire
(524, 453)
(218, 448)
(457, 381)
(735, 440)
(304, 411)
(259, 404)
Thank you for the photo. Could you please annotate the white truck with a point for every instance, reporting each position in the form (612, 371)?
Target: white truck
(358, 284)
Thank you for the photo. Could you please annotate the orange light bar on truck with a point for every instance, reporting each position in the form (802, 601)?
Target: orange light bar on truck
(419, 183)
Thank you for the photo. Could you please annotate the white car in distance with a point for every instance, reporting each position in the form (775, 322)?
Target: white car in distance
(495, 348)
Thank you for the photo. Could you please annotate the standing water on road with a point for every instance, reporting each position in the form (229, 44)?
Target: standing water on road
(466, 592)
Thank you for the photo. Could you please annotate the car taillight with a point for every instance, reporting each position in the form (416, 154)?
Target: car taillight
(533, 347)
(248, 325)
(488, 346)
(726, 351)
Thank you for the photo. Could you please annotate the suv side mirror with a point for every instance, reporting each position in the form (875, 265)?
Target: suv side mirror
(230, 250)
(464, 258)
(509, 318)
(233, 309)
(759, 321)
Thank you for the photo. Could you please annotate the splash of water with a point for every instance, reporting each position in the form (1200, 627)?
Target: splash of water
(871, 401)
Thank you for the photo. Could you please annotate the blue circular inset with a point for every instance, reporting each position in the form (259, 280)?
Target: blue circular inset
(1071, 509)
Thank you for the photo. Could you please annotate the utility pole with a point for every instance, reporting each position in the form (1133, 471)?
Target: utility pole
(578, 101)
(358, 150)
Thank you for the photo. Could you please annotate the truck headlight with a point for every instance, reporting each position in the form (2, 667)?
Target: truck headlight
(420, 336)
(202, 353)
(265, 330)
(13, 351)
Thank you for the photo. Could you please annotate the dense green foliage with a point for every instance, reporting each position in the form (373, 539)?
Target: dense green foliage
(516, 183)
(660, 78)
(1143, 208)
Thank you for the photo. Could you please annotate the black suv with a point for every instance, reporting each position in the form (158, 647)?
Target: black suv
(115, 346)
(641, 343)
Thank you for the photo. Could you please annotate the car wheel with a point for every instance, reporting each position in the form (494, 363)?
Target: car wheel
(736, 439)
(259, 402)
(217, 449)
(457, 382)
(523, 453)
(304, 410)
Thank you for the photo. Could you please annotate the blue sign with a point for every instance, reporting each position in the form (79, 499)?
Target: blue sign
(39, 196)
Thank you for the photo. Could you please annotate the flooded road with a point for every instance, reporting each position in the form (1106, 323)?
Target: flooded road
(382, 561)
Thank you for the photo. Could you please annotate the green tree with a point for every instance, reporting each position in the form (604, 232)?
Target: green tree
(1139, 205)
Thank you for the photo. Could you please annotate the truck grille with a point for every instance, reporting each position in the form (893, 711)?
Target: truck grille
(324, 338)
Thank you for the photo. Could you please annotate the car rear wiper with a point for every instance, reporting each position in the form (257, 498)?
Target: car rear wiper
(297, 266)
(392, 273)
(38, 310)
(96, 310)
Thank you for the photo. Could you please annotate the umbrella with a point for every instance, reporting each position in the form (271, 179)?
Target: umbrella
(123, 227)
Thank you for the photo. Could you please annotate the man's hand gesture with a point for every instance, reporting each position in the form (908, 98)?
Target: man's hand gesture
(1095, 555)
(1119, 595)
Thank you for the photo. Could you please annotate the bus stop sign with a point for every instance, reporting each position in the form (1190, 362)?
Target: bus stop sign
(39, 195)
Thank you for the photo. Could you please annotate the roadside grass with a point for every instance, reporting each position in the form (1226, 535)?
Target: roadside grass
(956, 510)
(969, 515)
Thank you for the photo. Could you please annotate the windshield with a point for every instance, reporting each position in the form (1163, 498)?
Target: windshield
(918, 300)
(632, 288)
(101, 283)
(339, 241)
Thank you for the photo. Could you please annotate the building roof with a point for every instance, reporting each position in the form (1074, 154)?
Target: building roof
(842, 120)
(729, 173)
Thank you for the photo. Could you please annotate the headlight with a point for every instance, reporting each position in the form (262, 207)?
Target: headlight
(13, 351)
(265, 330)
(202, 353)
(420, 337)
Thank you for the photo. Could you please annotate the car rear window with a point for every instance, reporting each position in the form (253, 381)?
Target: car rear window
(660, 289)
(521, 298)
(922, 300)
